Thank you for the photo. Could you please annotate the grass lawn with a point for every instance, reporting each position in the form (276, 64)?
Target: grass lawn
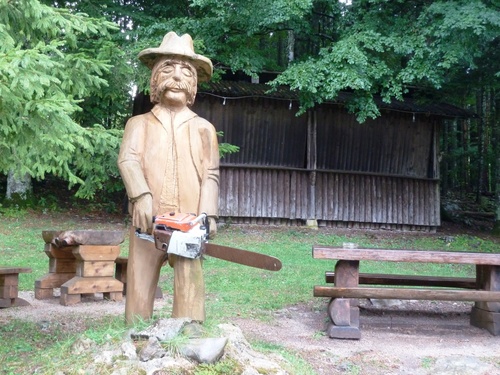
(232, 289)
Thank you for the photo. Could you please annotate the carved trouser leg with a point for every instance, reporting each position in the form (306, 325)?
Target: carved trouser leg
(189, 288)
(143, 273)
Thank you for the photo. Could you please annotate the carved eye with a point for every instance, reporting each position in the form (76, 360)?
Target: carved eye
(187, 71)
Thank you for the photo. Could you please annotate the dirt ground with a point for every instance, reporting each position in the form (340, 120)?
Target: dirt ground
(406, 339)
(397, 337)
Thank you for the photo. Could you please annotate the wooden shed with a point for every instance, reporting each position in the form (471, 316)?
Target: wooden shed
(324, 167)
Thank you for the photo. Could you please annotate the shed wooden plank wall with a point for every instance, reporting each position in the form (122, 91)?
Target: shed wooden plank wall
(325, 166)
(376, 199)
(261, 192)
(267, 131)
(247, 192)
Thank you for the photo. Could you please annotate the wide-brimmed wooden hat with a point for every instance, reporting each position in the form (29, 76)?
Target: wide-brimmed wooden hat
(178, 47)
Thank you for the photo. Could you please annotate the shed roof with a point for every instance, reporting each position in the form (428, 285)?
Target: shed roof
(241, 90)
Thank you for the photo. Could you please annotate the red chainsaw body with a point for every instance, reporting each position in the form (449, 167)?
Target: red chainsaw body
(177, 221)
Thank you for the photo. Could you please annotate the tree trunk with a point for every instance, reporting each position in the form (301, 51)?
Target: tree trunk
(496, 150)
(291, 46)
(18, 187)
(480, 144)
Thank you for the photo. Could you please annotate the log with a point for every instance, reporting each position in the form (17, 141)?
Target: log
(411, 294)
(83, 237)
(96, 253)
(84, 285)
(413, 256)
(411, 280)
(12, 270)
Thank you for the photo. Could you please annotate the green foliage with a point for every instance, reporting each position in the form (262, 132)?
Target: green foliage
(62, 71)
(385, 48)
(369, 47)
(226, 148)
(296, 365)
(50, 59)
(102, 152)
(109, 329)
(224, 367)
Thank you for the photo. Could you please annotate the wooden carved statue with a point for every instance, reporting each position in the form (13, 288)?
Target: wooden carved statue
(169, 162)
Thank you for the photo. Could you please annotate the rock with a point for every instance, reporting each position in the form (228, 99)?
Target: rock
(463, 365)
(239, 348)
(127, 367)
(193, 330)
(81, 345)
(129, 351)
(208, 350)
(250, 371)
(152, 350)
(163, 329)
(121, 371)
(166, 366)
(386, 302)
(107, 356)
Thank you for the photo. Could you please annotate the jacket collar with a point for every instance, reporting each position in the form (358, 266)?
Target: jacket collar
(167, 117)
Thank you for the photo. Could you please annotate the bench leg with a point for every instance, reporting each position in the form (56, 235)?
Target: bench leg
(9, 289)
(487, 314)
(344, 312)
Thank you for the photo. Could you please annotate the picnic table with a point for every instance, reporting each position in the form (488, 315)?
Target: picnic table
(483, 289)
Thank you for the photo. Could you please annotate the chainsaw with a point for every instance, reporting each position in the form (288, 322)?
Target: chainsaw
(187, 235)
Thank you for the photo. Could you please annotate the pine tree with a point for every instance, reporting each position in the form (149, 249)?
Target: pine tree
(49, 61)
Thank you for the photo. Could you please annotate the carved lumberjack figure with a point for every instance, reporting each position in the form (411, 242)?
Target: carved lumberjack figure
(169, 162)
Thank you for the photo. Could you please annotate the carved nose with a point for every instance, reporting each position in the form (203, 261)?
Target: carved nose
(177, 73)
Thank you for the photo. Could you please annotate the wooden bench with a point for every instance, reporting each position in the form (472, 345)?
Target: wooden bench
(9, 286)
(81, 262)
(484, 289)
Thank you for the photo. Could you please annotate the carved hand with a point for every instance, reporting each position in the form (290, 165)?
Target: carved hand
(142, 217)
(213, 227)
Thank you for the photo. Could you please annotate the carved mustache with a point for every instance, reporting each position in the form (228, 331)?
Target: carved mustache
(171, 84)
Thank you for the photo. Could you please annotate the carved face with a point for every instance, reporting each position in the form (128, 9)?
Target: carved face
(173, 82)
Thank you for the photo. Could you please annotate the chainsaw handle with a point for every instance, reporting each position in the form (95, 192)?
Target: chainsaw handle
(207, 227)
(198, 219)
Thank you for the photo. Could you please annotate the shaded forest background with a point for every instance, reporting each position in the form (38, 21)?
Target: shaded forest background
(69, 74)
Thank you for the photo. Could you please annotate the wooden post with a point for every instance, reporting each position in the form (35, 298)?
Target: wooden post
(344, 312)
(311, 166)
(9, 286)
(487, 314)
(62, 267)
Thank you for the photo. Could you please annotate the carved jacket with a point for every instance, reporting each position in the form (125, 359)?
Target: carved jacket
(174, 156)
